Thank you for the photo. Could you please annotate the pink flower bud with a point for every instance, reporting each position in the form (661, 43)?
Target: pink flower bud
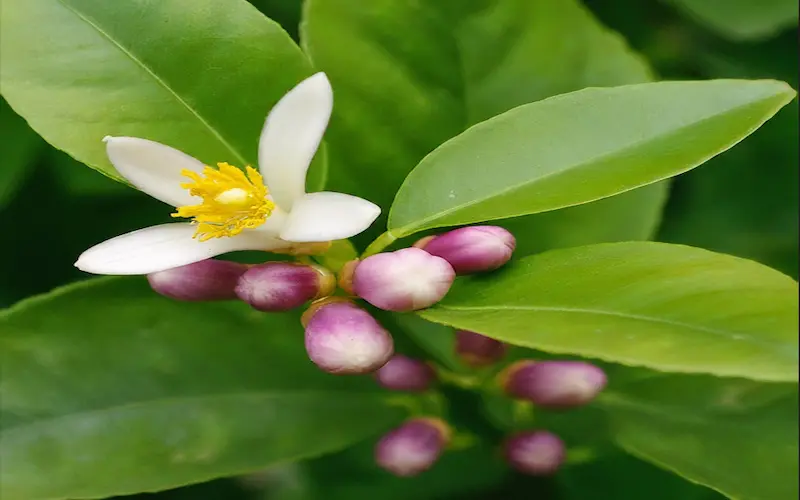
(413, 447)
(554, 384)
(472, 249)
(405, 280)
(342, 338)
(405, 374)
(281, 286)
(209, 279)
(478, 350)
(538, 453)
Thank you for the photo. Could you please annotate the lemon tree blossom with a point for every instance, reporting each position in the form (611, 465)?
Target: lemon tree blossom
(232, 209)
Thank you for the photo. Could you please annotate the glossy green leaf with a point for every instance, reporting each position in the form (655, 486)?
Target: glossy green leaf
(631, 216)
(742, 19)
(400, 96)
(580, 147)
(667, 307)
(109, 389)
(74, 178)
(200, 79)
(623, 477)
(20, 146)
(736, 436)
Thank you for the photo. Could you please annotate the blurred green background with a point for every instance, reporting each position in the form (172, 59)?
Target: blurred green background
(744, 202)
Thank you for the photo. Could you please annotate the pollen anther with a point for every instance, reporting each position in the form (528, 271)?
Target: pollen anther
(232, 201)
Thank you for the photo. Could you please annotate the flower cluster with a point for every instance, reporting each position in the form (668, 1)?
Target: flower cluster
(269, 210)
(416, 445)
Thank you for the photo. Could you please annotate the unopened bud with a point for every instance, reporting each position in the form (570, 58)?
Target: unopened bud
(413, 447)
(209, 279)
(404, 280)
(342, 338)
(478, 350)
(473, 249)
(554, 384)
(538, 453)
(402, 373)
(281, 286)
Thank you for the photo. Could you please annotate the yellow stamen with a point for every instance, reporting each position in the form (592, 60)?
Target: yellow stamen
(232, 201)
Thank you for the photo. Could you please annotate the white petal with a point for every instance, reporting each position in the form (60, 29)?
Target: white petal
(158, 248)
(153, 168)
(328, 216)
(291, 136)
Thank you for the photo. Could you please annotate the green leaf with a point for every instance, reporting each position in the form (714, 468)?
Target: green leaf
(200, 80)
(732, 206)
(580, 147)
(736, 436)
(80, 181)
(19, 145)
(631, 216)
(110, 389)
(466, 62)
(742, 19)
(667, 307)
(623, 477)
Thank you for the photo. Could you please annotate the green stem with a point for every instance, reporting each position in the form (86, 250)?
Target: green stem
(464, 381)
(379, 244)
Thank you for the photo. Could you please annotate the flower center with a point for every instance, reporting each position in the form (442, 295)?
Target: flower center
(232, 201)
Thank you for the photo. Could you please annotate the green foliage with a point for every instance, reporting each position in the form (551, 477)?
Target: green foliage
(668, 307)
(531, 113)
(742, 19)
(110, 389)
(201, 80)
(737, 436)
(448, 77)
(587, 145)
(20, 146)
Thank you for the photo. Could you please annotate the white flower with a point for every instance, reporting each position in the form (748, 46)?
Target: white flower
(233, 210)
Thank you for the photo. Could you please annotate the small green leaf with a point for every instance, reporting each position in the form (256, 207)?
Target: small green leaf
(667, 307)
(340, 253)
(742, 19)
(580, 147)
(200, 80)
(110, 389)
(736, 436)
(19, 145)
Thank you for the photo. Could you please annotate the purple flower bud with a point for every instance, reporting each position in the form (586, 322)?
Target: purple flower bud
(538, 453)
(554, 384)
(342, 338)
(405, 374)
(405, 280)
(478, 350)
(281, 286)
(472, 249)
(413, 447)
(209, 279)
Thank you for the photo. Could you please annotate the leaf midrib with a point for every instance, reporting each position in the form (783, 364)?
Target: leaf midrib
(239, 157)
(134, 405)
(618, 314)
